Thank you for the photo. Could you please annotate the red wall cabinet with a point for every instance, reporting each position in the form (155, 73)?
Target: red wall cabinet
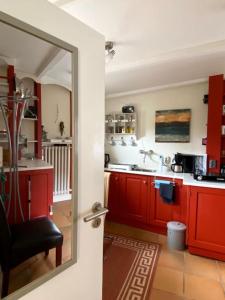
(207, 222)
(36, 193)
(161, 212)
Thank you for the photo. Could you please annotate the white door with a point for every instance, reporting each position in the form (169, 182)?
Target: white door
(82, 281)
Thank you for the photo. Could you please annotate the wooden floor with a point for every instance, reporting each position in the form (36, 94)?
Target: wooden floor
(179, 275)
(39, 265)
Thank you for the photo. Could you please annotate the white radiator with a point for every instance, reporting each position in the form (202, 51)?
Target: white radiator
(59, 157)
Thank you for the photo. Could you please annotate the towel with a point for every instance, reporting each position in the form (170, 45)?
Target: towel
(106, 187)
(158, 182)
(167, 192)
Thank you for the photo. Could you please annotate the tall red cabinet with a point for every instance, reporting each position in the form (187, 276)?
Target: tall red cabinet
(215, 139)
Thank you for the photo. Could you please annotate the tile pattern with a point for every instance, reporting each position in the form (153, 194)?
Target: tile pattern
(179, 275)
(138, 271)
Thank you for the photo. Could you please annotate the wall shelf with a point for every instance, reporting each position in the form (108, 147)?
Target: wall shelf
(121, 124)
(118, 134)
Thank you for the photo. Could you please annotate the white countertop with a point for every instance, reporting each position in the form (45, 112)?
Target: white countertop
(28, 165)
(186, 177)
(189, 180)
(157, 173)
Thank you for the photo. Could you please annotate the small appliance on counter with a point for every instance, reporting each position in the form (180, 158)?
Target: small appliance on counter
(107, 160)
(177, 167)
(210, 177)
(189, 163)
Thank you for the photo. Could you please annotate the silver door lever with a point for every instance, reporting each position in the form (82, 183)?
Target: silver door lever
(97, 210)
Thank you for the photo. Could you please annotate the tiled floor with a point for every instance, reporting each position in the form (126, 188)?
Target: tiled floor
(39, 264)
(179, 275)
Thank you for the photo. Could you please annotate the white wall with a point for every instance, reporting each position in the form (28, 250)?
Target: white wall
(82, 281)
(55, 99)
(145, 105)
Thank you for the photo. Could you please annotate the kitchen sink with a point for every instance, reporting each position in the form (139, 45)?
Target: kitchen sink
(144, 170)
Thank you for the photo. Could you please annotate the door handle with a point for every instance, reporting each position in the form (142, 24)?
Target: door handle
(97, 210)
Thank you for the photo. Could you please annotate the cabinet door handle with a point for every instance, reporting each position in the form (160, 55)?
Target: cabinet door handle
(51, 210)
(29, 197)
(145, 182)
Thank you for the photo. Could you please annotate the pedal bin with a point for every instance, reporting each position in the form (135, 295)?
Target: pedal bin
(176, 235)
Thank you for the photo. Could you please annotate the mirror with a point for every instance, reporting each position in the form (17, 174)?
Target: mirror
(37, 185)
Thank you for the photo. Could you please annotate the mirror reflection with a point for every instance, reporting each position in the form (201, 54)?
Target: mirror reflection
(35, 158)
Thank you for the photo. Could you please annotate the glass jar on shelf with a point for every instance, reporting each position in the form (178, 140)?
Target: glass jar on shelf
(109, 123)
(109, 129)
(109, 119)
(130, 126)
(120, 123)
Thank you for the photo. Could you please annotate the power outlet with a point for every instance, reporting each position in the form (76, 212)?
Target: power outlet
(212, 163)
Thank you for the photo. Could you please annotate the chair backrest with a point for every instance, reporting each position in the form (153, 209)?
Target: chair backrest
(5, 237)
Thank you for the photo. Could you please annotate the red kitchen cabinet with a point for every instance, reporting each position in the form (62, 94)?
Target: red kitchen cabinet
(161, 212)
(36, 194)
(134, 197)
(128, 198)
(115, 204)
(215, 140)
(41, 190)
(207, 222)
(134, 201)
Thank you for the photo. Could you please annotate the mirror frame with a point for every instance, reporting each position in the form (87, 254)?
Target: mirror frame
(11, 21)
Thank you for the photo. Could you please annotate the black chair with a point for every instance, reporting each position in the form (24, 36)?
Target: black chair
(22, 241)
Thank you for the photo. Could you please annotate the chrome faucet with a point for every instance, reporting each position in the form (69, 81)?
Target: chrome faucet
(145, 153)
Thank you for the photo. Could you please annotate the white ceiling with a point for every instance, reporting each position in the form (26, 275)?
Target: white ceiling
(157, 42)
(35, 57)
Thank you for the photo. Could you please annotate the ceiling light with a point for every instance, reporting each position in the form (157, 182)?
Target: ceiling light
(110, 52)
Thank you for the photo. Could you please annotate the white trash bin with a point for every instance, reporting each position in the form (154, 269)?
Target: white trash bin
(176, 235)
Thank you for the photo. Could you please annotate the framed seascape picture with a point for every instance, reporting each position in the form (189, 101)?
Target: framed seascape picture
(172, 126)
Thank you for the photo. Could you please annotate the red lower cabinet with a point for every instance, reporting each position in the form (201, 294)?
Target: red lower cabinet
(36, 194)
(161, 212)
(115, 203)
(134, 196)
(134, 201)
(128, 198)
(41, 187)
(207, 222)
